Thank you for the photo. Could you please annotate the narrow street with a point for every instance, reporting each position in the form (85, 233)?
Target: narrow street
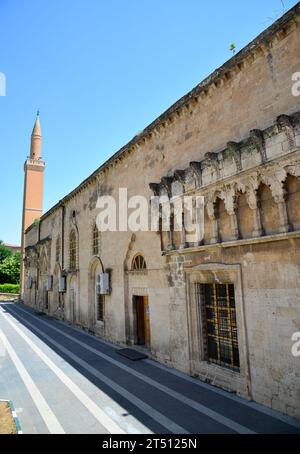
(63, 380)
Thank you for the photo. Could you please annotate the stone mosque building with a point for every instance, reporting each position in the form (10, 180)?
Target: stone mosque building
(225, 307)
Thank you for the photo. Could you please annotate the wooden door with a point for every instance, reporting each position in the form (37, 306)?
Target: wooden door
(140, 320)
(146, 320)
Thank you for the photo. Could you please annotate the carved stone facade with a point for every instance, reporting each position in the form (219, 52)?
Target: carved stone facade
(234, 140)
(218, 181)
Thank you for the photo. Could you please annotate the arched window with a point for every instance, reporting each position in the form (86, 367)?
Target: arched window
(268, 210)
(95, 240)
(72, 250)
(57, 252)
(244, 216)
(224, 221)
(138, 263)
(292, 189)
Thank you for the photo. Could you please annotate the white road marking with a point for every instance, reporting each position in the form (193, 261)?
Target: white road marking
(186, 400)
(100, 415)
(143, 406)
(213, 389)
(40, 402)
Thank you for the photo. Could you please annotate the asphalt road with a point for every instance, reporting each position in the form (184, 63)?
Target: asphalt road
(63, 380)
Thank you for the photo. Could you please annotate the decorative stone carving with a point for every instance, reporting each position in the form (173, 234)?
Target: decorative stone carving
(211, 160)
(293, 170)
(273, 174)
(179, 176)
(196, 168)
(229, 196)
(275, 181)
(258, 140)
(171, 245)
(252, 201)
(184, 243)
(128, 252)
(251, 196)
(155, 188)
(190, 180)
(210, 208)
(249, 186)
(166, 183)
(234, 150)
(285, 123)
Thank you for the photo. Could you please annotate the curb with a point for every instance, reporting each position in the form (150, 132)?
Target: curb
(14, 415)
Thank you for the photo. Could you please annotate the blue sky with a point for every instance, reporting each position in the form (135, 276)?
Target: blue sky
(100, 71)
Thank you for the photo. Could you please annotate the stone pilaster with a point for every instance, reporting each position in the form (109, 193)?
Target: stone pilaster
(210, 207)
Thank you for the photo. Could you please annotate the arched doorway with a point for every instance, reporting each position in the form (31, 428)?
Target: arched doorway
(139, 316)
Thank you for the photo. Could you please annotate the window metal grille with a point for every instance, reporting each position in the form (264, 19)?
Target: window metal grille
(139, 263)
(95, 240)
(218, 309)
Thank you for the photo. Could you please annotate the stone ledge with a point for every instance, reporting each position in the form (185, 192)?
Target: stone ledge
(237, 243)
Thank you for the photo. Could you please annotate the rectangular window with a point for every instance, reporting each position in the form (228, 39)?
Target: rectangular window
(220, 326)
(100, 308)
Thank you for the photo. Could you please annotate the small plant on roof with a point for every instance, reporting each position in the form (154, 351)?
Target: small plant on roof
(232, 48)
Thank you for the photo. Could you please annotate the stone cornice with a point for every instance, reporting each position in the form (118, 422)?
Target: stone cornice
(235, 243)
(255, 143)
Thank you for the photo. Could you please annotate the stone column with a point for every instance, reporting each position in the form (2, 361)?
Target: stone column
(183, 244)
(210, 207)
(199, 211)
(253, 204)
(234, 225)
(230, 205)
(278, 193)
(171, 246)
(283, 216)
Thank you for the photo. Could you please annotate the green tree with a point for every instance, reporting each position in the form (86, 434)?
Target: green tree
(10, 269)
(4, 251)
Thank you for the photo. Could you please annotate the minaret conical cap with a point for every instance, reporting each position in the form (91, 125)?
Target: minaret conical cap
(37, 126)
(36, 139)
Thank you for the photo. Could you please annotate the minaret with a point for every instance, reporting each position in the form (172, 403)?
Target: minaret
(33, 186)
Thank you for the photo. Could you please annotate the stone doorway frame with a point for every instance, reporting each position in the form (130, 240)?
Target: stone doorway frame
(215, 273)
(130, 320)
